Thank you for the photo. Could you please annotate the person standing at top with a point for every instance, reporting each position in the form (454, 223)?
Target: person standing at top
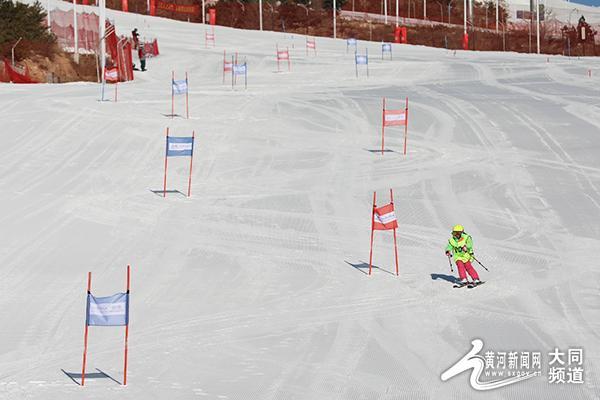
(460, 245)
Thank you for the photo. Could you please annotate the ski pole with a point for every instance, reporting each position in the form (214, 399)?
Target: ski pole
(478, 262)
(450, 262)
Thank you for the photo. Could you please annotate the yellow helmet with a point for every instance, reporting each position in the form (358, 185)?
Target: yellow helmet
(458, 228)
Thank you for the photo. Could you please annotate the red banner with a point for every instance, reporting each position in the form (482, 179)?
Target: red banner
(192, 9)
(16, 76)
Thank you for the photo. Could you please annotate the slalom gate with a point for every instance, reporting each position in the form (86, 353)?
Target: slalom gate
(283, 55)
(311, 44)
(179, 146)
(111, 75)
(383, 219)
(237, 70)
(228, 65)
(351, 42)
(386, 48)
(150, 48)
(209, 38)
(362, 59)
(179, 87)
(394, 118)
(106, 311)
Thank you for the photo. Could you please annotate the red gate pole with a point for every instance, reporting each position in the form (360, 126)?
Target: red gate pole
(126, 330)
(166, 151)
(383, 127)
(405, 124)
(85, 337)
(191, 160)
(116, 86)
(233, 80)
(372, 231)
(277, 52)
(224, 61)
(287, 49)
(187, 89)
(172, 95)
(395, 244)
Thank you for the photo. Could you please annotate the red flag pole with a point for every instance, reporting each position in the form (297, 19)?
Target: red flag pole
(224, 61)
(277, 52)
(126, 329)
(166, 151)
(383, 127)
(372, 231)
(395, 244)
(172, 95)
(85, 337)
(187, 89)
(289, 60)
(405, 124)
(233, 72)
(191, 160)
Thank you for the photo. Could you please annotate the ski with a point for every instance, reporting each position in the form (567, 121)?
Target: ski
(459, 285)
(474, 285)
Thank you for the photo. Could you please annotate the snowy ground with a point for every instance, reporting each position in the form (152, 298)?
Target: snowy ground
(255, 287)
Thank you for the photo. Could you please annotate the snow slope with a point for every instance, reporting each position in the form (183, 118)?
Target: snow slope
(255, 287)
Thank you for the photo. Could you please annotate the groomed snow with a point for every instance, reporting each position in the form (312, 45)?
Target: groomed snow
(255, 287)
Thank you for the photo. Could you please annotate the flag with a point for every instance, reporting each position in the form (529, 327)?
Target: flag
(227, 66)
(394, 117)
(239, 69)
(351, 42)
(283, 55)
(180, 86)
(111, 75)
(386, 47)
(180, 146)
(310, 44)
(384, 218)
(360, 59)
(108, 311)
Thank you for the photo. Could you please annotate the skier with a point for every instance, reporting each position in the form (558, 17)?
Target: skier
(142, 56)
(461, 246)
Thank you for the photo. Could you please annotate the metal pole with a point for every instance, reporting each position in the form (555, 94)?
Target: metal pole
(385, 12)
(12, 51)
(102, 22)
(397, 13)
(471, 19)
(334, 21)
(424, 9)
(260, 16)
(497, 1)
(203, 12)
(75, 36)
(465, 15)
(537, 17)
